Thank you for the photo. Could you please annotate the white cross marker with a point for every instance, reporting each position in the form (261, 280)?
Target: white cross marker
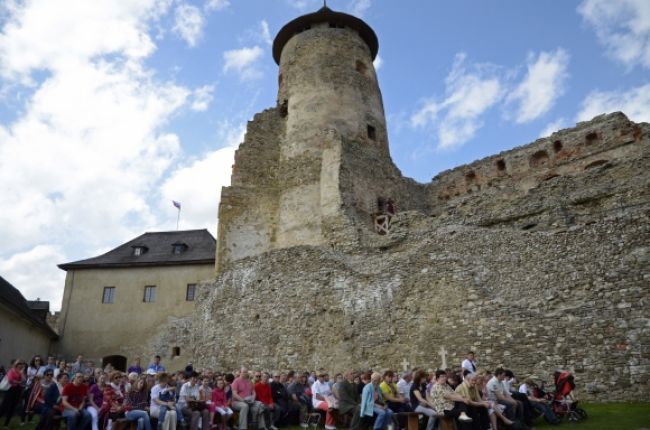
(443, 354)
(405, 364)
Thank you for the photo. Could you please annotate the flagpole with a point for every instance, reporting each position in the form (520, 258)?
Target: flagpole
(178, 218)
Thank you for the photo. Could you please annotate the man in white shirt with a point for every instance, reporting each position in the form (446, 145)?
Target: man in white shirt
(320, 392)
(191, 408)
(469, 363)
(498, 393)
(404, 385)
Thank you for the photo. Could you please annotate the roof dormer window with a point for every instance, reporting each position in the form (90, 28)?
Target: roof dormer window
(139, 250)
(179, 248)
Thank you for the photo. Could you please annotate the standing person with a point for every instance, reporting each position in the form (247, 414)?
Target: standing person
(320, 391)
(79, 366)
(469, 363)
(50, 365)
(449, 403)
(60, 369)
(190, 393)
(17, 379)
(73, 399)
(156, 366)
(135, 367)
(163, 405)
(243, 400)
(419, 401)
(373, 404)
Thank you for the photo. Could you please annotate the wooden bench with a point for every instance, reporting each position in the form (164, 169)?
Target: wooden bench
(412, 419)
(447, 423)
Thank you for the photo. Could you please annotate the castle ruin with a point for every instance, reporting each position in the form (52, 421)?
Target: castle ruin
(537, 258)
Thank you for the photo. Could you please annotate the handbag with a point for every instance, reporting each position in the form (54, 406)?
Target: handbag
(4, 384)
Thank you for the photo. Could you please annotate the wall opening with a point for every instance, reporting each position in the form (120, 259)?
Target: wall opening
(591, 138)
(595, 164)
(117, 361)
(470, 176)
(529, 226)
(501, 165)
(538, 159)
(372, 132)
(336, 25)
(557, 146)
(362, 68)
(176, 351)
(284, 108)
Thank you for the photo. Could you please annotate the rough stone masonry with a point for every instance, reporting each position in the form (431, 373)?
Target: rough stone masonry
(537, 258)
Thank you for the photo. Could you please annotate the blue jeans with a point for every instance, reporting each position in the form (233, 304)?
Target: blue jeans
(141, 417)
(384, 417)
(77, 420)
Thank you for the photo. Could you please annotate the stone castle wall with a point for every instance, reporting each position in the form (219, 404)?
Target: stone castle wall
(544, 264)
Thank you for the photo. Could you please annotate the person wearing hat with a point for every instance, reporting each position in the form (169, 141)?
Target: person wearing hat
(320, 392)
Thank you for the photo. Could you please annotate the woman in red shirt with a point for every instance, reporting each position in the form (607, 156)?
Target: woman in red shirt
(16, 378)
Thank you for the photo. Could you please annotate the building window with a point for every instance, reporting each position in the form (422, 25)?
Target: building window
(190, 293)
(179, 248)
(139, 250)
(109, 295)
(149, 294)
(176, 351)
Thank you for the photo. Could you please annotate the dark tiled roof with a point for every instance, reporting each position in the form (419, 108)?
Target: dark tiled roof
(15, 301)
(325, 14)
(201, 248)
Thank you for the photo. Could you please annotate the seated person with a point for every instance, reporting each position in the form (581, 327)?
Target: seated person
(189, 406)
(298, 396)
(372, 403)
(449, 403)
(243, 400)
(264, 394)
(163, 403)
(220, 403)
(322, 398)
(477, 408)
(419, 401)
(349, 399)
(73, 400)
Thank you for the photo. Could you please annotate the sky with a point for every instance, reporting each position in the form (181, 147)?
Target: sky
(111, 109)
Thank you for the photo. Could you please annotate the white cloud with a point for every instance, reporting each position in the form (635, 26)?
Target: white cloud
(35, 274)
(303, 4)
(635, 103)
(543, 84)
(243, 62)
(266, 33)
(469, 94)
(216, 4)
(554, 126)
(623, 27)
(198, 185)
(379, 61)
(359, 7)
(89, 148)
(202, 98)
(188, 23)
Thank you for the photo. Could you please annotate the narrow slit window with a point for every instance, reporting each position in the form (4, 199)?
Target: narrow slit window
(372, 133)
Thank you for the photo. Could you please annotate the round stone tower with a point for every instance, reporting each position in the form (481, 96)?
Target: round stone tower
(315, 170)
(327, 80)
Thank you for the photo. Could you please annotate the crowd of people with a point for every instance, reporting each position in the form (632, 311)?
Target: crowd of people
(89, 397)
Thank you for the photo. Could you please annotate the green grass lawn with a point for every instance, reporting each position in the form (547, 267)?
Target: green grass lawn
(602, 416)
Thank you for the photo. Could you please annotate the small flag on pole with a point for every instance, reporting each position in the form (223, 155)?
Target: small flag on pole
(176, 204)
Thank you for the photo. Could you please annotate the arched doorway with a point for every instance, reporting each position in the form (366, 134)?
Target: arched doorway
(117, 361)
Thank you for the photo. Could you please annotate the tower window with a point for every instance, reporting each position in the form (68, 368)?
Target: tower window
(190, 293)
(501, 165)
(176, 351)
(149, 294)
(108, 296)
(336, 25)
(372, 133)
(557, 146)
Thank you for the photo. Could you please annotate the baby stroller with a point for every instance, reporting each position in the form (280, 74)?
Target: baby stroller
(562, 402)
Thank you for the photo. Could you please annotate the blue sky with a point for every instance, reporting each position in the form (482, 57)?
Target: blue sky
(111, 108)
